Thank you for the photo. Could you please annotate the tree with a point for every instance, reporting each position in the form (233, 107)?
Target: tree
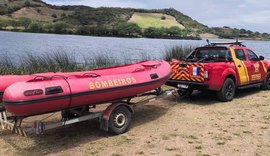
(4, 23)
(63, 15)
(23, 21)
(54, 15)
(47, 27)
(84, 30)
(153, 32)
(163, 17)
(174, 31)
(128, 29)
(35, 27)
(60, 27)
(243, 31)
(27, 3)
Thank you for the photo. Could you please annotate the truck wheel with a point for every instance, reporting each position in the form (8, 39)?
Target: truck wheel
(227, 91)
(266, 83)
(185, 93)
(119, 120)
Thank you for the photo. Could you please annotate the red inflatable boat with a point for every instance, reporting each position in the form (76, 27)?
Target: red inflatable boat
(43, 94)
(7, 80)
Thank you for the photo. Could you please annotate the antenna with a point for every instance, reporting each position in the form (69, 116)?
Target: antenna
(208, 42)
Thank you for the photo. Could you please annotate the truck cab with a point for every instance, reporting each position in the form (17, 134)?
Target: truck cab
(221, 67)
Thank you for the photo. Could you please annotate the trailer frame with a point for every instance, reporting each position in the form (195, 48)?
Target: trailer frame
(13, 123)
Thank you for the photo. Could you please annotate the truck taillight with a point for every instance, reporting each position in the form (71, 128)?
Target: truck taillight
(206, 76)
(206, 71)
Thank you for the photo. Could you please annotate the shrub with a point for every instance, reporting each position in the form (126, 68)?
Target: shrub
(23, 21)
(38, 10)
(63, 15)
(163, 17)
(27, 3)
(54, 15)
(128, 29)
(35, 27)
(172, 32)
(60, 27)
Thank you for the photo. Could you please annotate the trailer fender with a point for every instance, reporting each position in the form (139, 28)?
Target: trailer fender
(107, 113)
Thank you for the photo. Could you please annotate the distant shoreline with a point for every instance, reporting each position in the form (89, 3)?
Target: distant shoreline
(173, 38)
(130, 37)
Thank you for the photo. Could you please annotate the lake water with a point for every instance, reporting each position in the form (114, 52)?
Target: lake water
(18, 44)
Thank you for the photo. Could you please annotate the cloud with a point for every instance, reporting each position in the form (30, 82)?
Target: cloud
(248, 14)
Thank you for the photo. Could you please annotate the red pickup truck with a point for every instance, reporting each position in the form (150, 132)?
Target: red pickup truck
(221, 67)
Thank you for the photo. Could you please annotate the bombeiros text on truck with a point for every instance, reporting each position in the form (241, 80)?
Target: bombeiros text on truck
(222, 67)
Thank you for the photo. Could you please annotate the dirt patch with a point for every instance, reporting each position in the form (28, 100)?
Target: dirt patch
(197, 126)
(41, 13)
(208, 35)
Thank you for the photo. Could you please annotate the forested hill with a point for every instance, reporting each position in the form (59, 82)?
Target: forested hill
(37, 16)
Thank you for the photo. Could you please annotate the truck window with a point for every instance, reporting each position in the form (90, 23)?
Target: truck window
(252, 56)
(209, 54)
(240, 54)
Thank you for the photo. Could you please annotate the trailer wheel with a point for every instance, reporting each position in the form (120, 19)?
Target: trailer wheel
(266, 83)
(119, 120)
(227, 91)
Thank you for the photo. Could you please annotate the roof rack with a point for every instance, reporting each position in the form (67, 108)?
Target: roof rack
(223, 43)
(231, 43)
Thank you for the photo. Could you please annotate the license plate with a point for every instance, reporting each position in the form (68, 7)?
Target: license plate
(182, 86)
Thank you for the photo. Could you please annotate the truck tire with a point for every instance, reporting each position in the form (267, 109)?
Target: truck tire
(266, 83)
(227, 91)
(184, 93)
(119, 120)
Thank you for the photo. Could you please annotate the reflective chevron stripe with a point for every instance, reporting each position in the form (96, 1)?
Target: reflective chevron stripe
(16, 130)
(5, 124)
(186, 73)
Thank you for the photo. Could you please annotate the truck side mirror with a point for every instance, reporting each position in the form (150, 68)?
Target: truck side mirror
(261, 58)
(230, 59)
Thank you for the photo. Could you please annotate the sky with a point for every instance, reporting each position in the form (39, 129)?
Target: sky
(252, 15)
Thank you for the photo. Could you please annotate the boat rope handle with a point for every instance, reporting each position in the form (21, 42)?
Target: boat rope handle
(44, 77)
(139, 69)
(60, 76)
(152, 65)
(48, 77)
(94, 75)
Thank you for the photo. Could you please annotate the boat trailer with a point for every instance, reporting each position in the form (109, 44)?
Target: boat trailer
(115, 118)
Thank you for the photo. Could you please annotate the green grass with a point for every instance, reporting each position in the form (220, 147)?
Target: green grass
(61, 61)
(177, 52)
(146, 20)
(56, 62)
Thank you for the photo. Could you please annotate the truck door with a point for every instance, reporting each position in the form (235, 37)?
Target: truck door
(254, 67)
(239, 58)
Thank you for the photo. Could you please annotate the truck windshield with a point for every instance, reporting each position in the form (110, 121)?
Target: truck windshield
(209, 55)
